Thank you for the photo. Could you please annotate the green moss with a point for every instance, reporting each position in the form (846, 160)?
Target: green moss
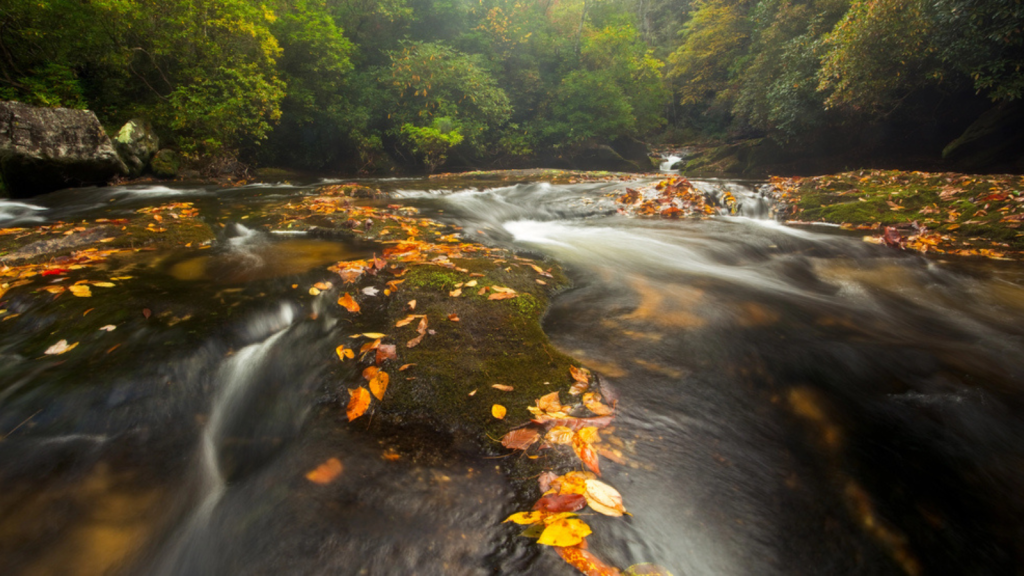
(493, 342)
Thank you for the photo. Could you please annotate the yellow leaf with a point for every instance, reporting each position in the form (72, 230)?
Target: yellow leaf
(374, 335)
(498, 411)
(559, 435)
(525, 518)
(80, 290)
(564, 532)
(344, 352)
(103, 284)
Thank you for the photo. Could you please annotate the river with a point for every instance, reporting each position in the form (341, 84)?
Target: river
(793, 401)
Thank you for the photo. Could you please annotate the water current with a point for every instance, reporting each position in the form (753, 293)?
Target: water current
(794, 401)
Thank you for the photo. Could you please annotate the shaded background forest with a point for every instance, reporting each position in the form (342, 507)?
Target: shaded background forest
(363, 86)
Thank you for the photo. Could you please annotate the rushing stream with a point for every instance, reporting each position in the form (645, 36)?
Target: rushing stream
(794, 401)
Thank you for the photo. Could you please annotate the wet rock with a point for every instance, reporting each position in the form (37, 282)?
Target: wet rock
(165, 163)
(61, 244)
(603, 157)
(45, 149)
(137, 143)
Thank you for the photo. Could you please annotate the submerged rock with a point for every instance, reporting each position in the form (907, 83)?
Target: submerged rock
(45, 149)
(137, 143)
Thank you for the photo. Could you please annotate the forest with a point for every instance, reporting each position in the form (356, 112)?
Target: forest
(364, 86)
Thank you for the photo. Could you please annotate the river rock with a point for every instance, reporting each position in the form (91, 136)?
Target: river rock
(603, 157)
(45, 149)
(137, 143)
(165, 163)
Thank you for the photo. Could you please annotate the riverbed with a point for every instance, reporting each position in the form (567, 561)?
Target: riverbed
(792, 400)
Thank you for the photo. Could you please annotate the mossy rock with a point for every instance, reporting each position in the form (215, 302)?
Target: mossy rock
(166, 163)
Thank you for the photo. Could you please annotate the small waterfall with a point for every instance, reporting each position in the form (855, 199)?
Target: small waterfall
(192, 550)
(670, 160)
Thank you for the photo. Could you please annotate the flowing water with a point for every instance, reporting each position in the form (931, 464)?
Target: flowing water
(792, 401)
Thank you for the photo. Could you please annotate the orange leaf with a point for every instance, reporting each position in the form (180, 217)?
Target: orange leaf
(359, 402)
(412, 304)
(586, 453)
(370, 346)
(586, 562)
(379, 384)
(581, 375)
(348, 303)
(549, 402)
(344, 353)
(498, 411)
(502, 387)
(414, 342)
(405, 367)
(370, 372)
(502, 296)
(422, 328)
(593, 403)
(326, 472)
(453, 318)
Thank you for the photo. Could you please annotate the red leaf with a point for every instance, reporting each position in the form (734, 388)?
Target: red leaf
(561, 503)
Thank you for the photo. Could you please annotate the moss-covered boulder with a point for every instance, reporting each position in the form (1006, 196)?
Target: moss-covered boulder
(137, 143)
(166, 163)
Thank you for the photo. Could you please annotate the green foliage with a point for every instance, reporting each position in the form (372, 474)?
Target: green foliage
(432, 142)
(715, 37)
(429, 81)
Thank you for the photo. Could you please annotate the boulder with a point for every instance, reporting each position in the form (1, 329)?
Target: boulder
(45, 149)
(136, 143)
(165, 163)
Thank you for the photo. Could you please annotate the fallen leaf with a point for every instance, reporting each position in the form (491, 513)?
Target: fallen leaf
(369, 346)
(414, 342)
(549, 403)
(502, 387)
(323, 286)
(326, 472)
(473, 393)
(525, 518)
(109, 328)
(578, 388)
(586, 453)
(471, 284)
(581, 375)
(370, 291)
(379, 385)
(344, 352)
(502, 296)
(358, 403)
(369, 372)
(453, 318)
(545, 480)
(386, 352)
(60, 348)
(348, 303)
(603, 498)
(561, 503)
(498, 411)
(589, 434)
(646, 569)
(314, 291)
(422, 328)
(104, 284)
(373, 335)
(585, 562)
(520, 439)
(411, 304)
(593, 403)
(391, 455)
(564, 532)
(560, 435)
(455, 293)
(405, 367)
(80, 290)
(406, 321)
